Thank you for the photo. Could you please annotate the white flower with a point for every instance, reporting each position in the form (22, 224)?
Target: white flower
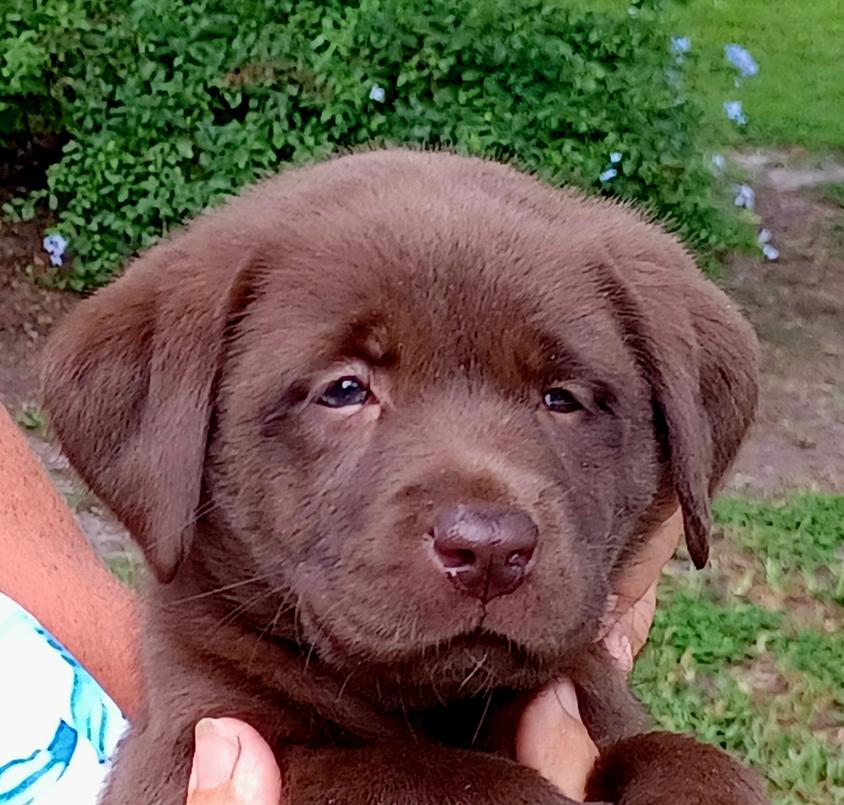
(745, 197)
(608, 175)
(377, 94)
(719, 162)
(764, 238)
(770, 252)
(741, 60)
(735, 112)
(55, 246)
(615, 157)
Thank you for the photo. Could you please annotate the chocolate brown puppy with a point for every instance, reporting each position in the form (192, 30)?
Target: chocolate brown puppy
(386, 429)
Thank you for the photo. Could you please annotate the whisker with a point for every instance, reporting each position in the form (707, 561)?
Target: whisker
(230, 617)
(271, 624)
(346, 681)
(482, 719)
(200, 512)
(479, 664)
(225, 588)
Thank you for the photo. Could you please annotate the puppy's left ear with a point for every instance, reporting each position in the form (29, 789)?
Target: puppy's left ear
(699, 356)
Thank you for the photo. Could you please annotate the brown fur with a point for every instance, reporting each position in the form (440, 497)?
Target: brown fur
(294, 586)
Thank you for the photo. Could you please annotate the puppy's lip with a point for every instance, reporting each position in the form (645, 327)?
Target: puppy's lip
(475, 637)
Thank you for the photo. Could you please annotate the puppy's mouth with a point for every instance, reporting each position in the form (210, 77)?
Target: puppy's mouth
(474, 657)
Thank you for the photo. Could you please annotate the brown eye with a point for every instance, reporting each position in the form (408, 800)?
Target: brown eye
(345, 392)
(560, 400)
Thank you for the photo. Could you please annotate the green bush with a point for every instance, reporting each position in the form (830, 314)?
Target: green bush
(169, 105)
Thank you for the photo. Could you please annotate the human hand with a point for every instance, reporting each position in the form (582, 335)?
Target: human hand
(631, 608)
(232, 765)
(550, 737)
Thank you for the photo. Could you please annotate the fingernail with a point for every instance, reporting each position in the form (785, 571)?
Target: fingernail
(215, 756)
(566, 695)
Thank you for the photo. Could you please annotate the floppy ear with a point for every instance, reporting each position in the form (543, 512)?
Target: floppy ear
(699, 356)
(127, 383)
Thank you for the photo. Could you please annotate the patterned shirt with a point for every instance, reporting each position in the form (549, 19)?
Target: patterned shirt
(58, 727)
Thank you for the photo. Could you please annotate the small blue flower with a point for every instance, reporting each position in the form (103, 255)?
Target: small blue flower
(608, 175)
(735, 112)
(718, 162)
(680, 45)
(55, 246)
(377, 94)
(745, 197)
(615, 157)
(741, 60)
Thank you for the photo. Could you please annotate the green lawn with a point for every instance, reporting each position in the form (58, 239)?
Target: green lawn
(798, 96)
(748, 654)
(834, 192)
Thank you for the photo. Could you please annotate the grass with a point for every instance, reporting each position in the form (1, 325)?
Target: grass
(798, 96)
(748, 655)
(32, 419)
(834, 192)
(126, 568)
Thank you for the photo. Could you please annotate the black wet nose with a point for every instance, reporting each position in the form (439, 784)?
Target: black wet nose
(485, 553)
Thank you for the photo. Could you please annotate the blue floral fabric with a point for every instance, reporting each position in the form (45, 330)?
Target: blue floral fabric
(58, 727)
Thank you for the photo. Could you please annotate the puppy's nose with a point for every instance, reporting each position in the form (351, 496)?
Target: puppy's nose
(485, 553)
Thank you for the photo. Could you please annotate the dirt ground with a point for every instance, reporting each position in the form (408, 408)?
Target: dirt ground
(796, 304)
(797, 307)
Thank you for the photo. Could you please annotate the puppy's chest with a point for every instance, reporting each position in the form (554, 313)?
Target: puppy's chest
(481, 723)
(484, 723)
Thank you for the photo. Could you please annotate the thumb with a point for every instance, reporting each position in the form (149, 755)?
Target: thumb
(232, 765)
(552, 740)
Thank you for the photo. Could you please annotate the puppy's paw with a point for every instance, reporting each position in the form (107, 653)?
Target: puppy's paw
(661, 768)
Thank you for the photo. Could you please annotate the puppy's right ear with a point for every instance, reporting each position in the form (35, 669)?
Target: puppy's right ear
(127, 383)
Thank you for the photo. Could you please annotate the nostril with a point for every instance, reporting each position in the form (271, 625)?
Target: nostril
(455, 558)
(519, 559)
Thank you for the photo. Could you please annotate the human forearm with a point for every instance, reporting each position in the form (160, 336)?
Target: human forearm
(49, 568)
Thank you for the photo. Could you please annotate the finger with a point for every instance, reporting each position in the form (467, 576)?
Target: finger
(232, 765)
(651, 558)
(552, 740)
(641, 619)
(625, 635)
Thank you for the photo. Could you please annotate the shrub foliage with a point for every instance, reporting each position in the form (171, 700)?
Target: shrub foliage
(166, 106)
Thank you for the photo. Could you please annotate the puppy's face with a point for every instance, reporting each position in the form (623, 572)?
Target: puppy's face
(421, 404)
(431, 457)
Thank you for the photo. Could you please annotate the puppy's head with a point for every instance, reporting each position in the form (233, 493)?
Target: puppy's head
(410, 406)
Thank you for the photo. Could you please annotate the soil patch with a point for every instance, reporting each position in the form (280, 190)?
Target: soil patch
(797, 307)
(27, 312)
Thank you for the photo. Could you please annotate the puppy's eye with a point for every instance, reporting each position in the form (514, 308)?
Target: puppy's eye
(560, 400)
(345, 392)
